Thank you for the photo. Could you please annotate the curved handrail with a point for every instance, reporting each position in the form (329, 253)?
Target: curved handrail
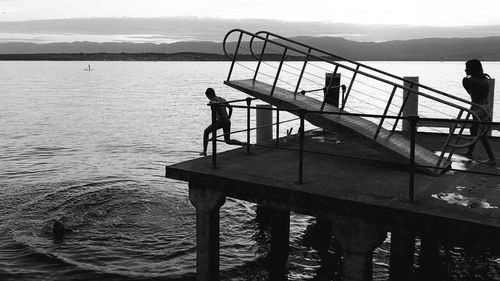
(358, 64)
(410, 90)
(361, 65)
(354, 70)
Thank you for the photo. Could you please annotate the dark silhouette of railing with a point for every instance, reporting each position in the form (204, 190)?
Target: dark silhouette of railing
(414, 123)
(263, 45)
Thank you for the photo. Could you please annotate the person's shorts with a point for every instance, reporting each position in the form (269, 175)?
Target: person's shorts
(482, 112)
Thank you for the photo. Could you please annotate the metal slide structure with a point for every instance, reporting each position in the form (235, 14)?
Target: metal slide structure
(291, 75)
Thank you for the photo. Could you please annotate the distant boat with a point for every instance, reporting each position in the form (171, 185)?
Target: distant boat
(89, 69)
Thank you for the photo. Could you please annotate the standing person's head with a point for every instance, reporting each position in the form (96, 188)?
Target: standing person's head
(474, 68)
(210, 93)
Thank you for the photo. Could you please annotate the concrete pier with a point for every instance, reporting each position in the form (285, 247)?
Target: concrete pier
(358, 238)
(402, 255)
(280, 229)
(207, 202)
(362, 200)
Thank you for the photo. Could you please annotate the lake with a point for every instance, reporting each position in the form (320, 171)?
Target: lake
(89, 148)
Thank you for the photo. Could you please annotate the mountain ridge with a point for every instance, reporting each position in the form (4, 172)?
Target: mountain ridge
(459, 49)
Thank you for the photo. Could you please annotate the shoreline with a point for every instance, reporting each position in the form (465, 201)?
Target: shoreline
(182, 56)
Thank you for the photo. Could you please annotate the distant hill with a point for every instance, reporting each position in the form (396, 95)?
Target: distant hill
(418, 49)
(457, 49)
(92, 47)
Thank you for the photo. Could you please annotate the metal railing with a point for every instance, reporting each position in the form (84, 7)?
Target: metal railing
(265, 47)
(414, 123)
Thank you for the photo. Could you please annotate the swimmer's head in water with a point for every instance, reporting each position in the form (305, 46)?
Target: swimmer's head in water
(58, 231)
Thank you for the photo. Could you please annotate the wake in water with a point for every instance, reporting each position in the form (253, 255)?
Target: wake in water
(124, 230)
(112, 228)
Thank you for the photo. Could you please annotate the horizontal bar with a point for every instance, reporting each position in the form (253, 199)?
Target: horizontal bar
(423, 119)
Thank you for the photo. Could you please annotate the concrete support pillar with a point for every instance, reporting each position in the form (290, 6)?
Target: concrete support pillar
(324, 236)
(264, 122)
(279, 219)
(411, 107)
(280, 229)
(207, 202)
(429, 259)
(402, 255)
(358, 238)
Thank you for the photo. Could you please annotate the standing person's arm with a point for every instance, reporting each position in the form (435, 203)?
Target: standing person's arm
(230, 108)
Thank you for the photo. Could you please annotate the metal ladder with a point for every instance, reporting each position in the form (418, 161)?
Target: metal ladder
(281, 71)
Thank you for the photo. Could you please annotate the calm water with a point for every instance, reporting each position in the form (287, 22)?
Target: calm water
(90, 149)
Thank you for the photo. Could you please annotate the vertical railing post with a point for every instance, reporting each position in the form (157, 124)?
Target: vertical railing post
(277, 127)
(261, 57)
(302, 73)
(213, 107)
(385, 113)
(279, 71)
(234, 58)
(302, 113)
(350, 86)
(249, 101)
(413, 119)
(403, 106)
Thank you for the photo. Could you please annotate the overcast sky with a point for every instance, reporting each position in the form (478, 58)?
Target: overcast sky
(70, 20)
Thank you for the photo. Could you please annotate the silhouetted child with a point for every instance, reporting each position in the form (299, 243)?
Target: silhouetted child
(222, 120)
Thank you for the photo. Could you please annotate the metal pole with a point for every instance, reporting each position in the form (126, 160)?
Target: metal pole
(302, 113)
(261, 58)
(350, 86)
(301, 74)
(385, 113)
(235, 55)
(413, 125)
(403, 106)
(214, 135)
(249, 101)
(279, 71)
(277, 127)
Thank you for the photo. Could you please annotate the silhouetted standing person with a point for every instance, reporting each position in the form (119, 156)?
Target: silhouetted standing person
(476, 84)
(222, 120)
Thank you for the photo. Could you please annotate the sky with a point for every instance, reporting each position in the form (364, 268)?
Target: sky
(67, 20)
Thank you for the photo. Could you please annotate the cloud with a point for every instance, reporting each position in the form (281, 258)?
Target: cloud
(167, 30)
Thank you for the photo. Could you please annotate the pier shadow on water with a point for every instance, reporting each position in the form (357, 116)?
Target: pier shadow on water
(315, 255)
